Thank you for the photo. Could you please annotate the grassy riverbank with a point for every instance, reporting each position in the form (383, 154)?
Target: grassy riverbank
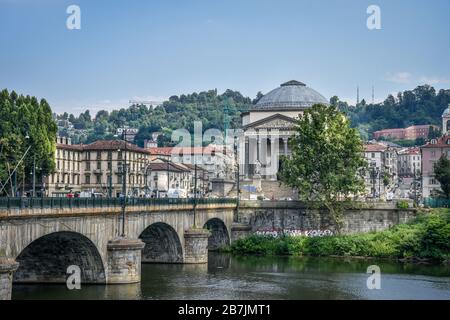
(427, 237)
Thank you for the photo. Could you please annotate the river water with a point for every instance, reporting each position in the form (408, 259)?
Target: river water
(250, 277)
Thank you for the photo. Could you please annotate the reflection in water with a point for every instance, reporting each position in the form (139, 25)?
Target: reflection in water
(250, 277)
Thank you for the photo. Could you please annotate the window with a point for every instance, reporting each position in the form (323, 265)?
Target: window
(373, 155)
(99, 155)
(109, 165)
(88, 166)
(99, 165)
(119, 155)
(88, 179)
(99, 179)
(433, 181)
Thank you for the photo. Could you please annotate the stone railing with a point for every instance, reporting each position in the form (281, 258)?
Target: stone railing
(23, 207)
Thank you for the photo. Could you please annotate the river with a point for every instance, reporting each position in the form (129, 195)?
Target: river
(250, 277)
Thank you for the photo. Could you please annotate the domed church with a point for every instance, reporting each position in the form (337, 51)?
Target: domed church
(267, 127)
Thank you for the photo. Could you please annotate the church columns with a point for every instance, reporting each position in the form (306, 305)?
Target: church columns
(274, 156)
(285, 142)
(252, 154)
(258, 146)
(264, 146)
(247, 156)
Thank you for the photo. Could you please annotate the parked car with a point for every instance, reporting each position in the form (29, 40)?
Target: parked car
(176, 193)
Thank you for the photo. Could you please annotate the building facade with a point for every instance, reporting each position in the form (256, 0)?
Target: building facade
(382, 173)
(267, 127)
(409, 162)
(431, 152)
(98, 168)
(410, 133)
(217, 160)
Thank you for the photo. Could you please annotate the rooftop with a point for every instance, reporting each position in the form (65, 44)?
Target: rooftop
(441, 142)
(374, 148)
(102, 145)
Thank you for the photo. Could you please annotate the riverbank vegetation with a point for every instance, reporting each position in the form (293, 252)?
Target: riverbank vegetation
(427, 237)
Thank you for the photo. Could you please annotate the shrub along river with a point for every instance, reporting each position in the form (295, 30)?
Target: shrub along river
(254, 277)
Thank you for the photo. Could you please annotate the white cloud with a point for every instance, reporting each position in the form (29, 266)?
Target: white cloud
(153, 99)
(399, 77)
(408, 78)
(434, 80)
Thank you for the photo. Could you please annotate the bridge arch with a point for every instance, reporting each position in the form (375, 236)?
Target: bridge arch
(219, 234)
(162, 244)
(47, 258)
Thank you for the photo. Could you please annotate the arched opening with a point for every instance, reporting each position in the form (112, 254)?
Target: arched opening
(219, 234)
(162, 244)
(47, 259)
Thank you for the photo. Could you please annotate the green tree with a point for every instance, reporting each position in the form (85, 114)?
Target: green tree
(326, 162)
(442, 174)
(22, 117)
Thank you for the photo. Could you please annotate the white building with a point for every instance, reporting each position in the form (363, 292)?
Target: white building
(409, 161)
(217, 160)
(382, 172)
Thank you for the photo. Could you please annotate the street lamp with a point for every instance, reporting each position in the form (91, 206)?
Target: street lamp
(124, 181)
(33, 194)
(195, 189)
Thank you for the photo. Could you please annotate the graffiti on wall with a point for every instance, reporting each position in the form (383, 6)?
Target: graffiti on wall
(293, 232)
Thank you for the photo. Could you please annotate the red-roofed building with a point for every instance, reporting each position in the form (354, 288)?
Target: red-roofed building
(410, 133)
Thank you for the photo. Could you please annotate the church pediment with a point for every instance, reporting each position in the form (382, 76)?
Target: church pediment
(276, 121)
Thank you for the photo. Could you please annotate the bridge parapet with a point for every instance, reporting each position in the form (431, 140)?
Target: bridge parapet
(26, 207)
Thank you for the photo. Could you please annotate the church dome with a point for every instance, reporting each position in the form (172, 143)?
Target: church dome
(292, 95)
(446, 112)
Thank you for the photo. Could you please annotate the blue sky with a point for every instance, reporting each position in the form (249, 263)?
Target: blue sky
(154, 49)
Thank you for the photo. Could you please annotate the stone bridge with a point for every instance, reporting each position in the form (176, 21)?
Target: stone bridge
(46, 241)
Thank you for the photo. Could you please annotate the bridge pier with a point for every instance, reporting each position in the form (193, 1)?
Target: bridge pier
(7, 268)
(124, 260)
(196, 245)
